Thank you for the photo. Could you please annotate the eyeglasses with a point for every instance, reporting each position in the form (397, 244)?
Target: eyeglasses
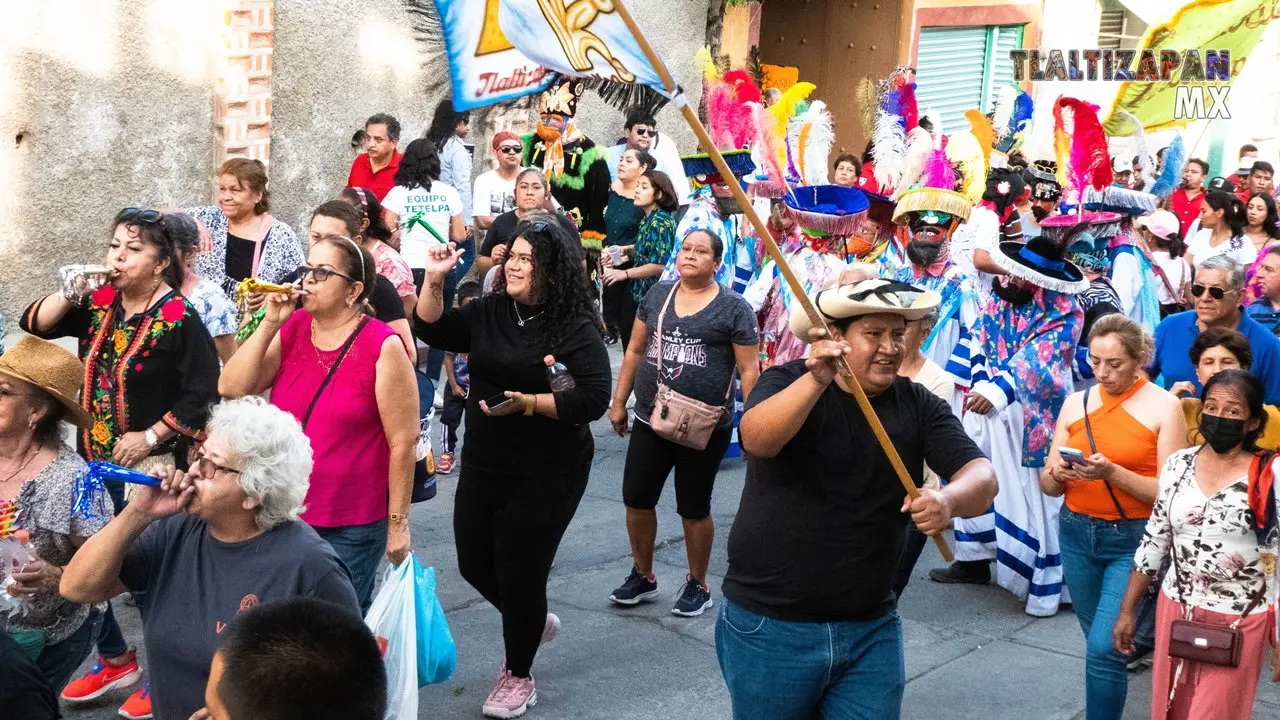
(138, 215)
(209, 468)
(320, 274)
(646, 132)
(1216, 293)
(510, 149)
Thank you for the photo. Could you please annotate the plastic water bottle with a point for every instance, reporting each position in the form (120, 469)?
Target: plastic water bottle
(25, 552)
(558, 376)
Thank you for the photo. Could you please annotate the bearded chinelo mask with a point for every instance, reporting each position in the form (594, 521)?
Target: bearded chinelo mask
(926, 218)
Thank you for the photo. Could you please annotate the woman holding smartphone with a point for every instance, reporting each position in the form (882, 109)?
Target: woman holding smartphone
(1108, 447)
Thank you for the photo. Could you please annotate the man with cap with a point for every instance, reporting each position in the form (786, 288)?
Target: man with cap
(1021, 359)
(807, 627)
(494, 191)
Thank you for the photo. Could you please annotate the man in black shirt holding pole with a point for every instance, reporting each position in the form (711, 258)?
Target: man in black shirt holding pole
(808, 627)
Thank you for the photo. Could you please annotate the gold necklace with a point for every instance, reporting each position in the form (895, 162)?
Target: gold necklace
(24, 465)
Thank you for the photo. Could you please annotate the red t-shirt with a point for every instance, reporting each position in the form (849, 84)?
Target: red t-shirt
(379, 183)
(1186, 208)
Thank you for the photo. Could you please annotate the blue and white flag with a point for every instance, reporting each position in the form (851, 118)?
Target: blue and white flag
(577, 37)
(485, 66)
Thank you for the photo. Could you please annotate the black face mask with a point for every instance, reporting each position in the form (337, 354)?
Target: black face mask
(1012, 295)
(1222, 434)
(923, 254)
(1039, 213)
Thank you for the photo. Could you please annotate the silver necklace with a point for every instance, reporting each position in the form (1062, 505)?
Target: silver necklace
(522, 320)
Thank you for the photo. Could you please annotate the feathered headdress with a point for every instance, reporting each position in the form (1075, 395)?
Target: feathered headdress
(1175, 159)
(896, 117)
(965, 152)
(1011, 113)
(810, 138)
(729, 110)
(1141, 152)
(1083, 160)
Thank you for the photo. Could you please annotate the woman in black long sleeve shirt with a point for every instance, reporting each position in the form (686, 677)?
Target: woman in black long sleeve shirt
(524, 464)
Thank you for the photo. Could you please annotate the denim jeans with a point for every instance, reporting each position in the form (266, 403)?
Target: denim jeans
(1097, 557)
(60, 660)
(784, 670)
(360, 548)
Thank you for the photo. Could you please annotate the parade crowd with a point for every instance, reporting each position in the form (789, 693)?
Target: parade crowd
(1077, 365)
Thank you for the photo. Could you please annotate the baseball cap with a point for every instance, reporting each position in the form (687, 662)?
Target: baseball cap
(1161, 223)
(1246, 166)
(1221, 184)
(1121, 163)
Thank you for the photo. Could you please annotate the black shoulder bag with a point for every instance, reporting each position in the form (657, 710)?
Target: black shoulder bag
(346, 347)
(1093, 448)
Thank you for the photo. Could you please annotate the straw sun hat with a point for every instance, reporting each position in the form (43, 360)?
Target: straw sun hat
(51, 369)
(868, 297)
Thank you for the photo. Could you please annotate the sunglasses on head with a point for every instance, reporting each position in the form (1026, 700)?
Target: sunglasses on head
(510, 149)
(320, 274)
(138, 215)
(1216, 293)
(646, 132)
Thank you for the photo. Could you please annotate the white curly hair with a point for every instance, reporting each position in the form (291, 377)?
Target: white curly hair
(276, 456)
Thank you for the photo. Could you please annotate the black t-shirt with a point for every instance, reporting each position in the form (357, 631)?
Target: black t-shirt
(503, 358)
(819, 530)
(503, 231)
(386, 302)
(197, 585)
(239, 257)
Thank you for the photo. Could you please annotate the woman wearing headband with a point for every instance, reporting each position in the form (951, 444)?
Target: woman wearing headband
(151, 375)
(346, 377)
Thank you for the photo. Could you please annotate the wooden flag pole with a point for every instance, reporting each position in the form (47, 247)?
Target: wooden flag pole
(775, 252)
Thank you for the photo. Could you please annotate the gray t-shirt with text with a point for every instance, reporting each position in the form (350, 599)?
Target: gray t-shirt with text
(697, 351)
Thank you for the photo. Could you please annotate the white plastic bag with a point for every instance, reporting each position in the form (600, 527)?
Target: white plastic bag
(393, 620)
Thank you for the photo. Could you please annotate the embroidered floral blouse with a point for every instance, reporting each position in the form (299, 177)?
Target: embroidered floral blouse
(654, 241)
(1220, 563)
(158, 365)
(282, 252)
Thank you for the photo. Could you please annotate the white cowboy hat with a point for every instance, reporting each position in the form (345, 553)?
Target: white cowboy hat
(868, 297)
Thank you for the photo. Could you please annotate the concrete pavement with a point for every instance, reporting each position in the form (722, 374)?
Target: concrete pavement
(971, 652)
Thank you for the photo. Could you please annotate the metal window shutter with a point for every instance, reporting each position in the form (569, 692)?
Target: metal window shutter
(1006, 38)
(1110, 28)
(950, 66)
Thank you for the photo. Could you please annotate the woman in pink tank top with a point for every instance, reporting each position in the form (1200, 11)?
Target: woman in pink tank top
(346, 377)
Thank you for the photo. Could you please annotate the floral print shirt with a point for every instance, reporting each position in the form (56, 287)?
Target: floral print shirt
(393, 267)
(656, 238)
(282, 253)
(1023, 353)
(1220, 563)
(217, 312)
(159, 365)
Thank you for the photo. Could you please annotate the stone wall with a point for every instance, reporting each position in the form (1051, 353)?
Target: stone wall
(96, 116)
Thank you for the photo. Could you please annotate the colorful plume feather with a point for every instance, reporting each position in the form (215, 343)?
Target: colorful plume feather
(938, 172)
(1011, 112)
(811, 137)
(710, 71)
(744, 86)
(888, 149)
(1141, 151)
(965, 151)
(907, 108)
(867, 104)
(1089, 162)
(983, 132)
(1175, 159)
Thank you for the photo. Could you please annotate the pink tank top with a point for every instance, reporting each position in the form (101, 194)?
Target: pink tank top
(352, 457)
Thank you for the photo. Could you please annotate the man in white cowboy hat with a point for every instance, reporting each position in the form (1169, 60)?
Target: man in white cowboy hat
(807, 624)
(1021, 359)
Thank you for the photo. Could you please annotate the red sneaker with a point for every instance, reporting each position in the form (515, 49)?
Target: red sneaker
(138, 706)
(445, 466)
(102, 679)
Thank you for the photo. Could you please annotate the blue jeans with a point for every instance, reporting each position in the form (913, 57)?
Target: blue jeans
(784, 670)
(1097, 557)
(60, 660)
(360, 548)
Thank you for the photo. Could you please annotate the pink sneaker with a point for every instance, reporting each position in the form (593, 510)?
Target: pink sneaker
(551, 629)
(512, 697)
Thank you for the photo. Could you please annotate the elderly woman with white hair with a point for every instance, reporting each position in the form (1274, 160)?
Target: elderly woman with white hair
(211, 543)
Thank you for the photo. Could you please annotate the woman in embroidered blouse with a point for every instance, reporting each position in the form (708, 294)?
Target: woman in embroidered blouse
(247, 241)
(1220, 568)
(364, 429)
(151, 368)
(655, 197)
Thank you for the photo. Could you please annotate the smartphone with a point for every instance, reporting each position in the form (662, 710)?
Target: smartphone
(1071, 456)
(499, 402)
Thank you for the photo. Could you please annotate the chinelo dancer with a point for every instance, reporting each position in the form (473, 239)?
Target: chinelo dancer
(1021, 370)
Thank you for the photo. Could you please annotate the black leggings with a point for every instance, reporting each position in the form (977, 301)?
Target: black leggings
(508, 528)
(620, 310)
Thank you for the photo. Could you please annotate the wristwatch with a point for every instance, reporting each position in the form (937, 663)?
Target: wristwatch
(152, 438)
